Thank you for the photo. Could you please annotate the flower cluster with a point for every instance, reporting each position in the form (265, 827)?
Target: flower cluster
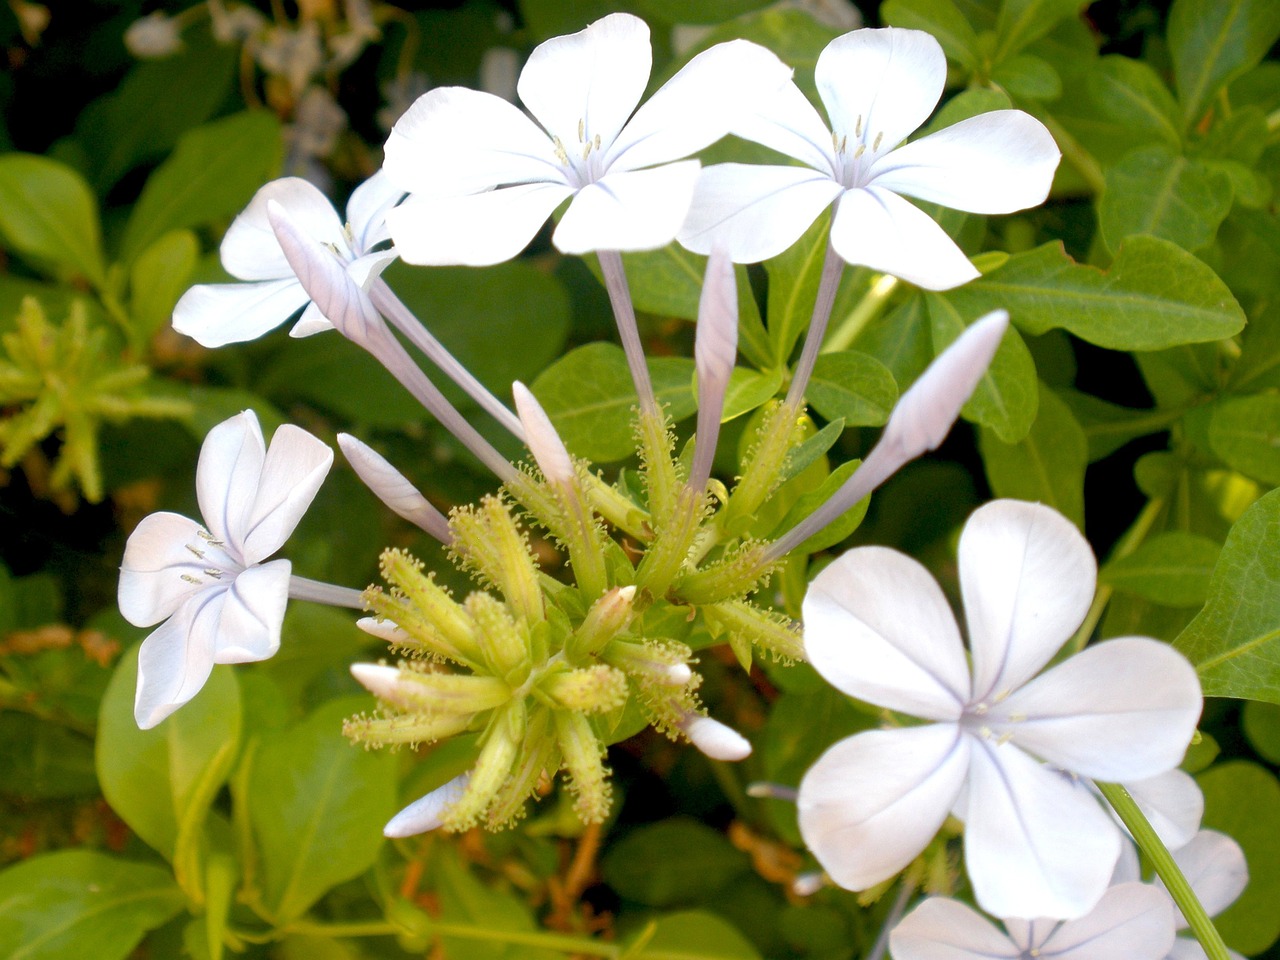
(548, 673)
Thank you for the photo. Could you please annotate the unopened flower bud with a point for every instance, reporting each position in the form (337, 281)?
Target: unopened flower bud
(715, 739)
(543, 440)
(595, 689)
(655, 662)
(431, 692)
(608, 617)
(714, 352)
(393, 488)
(428, 812)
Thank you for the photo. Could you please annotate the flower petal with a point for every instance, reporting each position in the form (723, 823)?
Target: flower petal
(295, 467)
(215, 314)
(1132, 921)
(878, 628)
(227, 477)
(1034, 844)
(248, 626)
(873, 801)
(1027, 576)
(174, 661)
(250, 250)
(636, 210)
(880, 230)
(367, 211)
(1120, 710)
(1173, 803)
(310, 323)
(160, 552)
(945, 929)
(476, 230)
(364, 270)
(1215, 867)
(880, 85)
(710, 95)
(754, 212)
(427, 812)
(1188, 948)
(587, 83)
(995, 162)
(455, 141)
(788, 123)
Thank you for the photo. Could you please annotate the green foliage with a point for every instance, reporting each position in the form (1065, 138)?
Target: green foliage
(48, 213)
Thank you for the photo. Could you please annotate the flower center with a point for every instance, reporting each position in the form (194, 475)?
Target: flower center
(581, 160)
(986, 721)
(212, 562)
(853, 160)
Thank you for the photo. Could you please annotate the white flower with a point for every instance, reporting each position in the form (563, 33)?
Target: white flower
(878, 627)
(1131, 922)
(483, 177)
(219, 601)
(222, 313)
(878, 86)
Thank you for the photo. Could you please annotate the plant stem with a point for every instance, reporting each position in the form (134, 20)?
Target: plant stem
(891, 920)
(1166, 869)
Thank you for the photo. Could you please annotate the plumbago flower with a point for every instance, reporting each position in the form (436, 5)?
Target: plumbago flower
(877, 86)
(219, 601)
(1132, 921)
(878, 627)
(483, 177)
(221, 313)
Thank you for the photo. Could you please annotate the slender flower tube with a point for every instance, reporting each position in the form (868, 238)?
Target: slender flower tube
(715, 351)
(394, 489)
(922, 418)
(220, 602)
(1000, 746)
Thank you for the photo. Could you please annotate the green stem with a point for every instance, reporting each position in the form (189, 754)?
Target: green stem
(1126, 545)
(868, 308)
(1166, 869)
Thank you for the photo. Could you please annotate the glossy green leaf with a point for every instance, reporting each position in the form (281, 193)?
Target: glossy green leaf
(692, 935)
(159, 276)
(793, 287)
(211, 175)
(749, 389)
(589, 396)
(1261, 723)
(1045, 466)
(853, 386)
(1234, 641)
(48, 213)
(1245, 433)
(640, 866)
(1214, 41)
(1170, 568)
(1028, 78)
(1243, 801)
(1109, 426)
(1021, 22)
(942, 19)
(666, 281)
(1006, 397)
(1115, 104)
(316, 804)
(162, 781)
(81, 903)
(839, 528)
(806, 453)
(1155, 191)
(1155, 295)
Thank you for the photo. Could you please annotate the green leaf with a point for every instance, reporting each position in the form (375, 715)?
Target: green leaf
(1006, 396)
(806, 453)
(1235, 640)
(212, 174)
(692, 935)
(793, 286)
(839, 528)
(162, 781)
(666, 281)
(1171, 568)
(81, 903)
(1131, 103)
(1155, 295)
(854, 387)
(158, 278)
(39, 759)
(699, 11)
(1245, 433)
(749, 389)
(640, 866)
(1261, 723)
(589, 396)
(1109, 426)
(316, 805)
(465, 899)
(1155, 191)
(1243, 801)
(941, 18)
(901, 339)
(1046, 466)
(1028, 78)
(48, 213)
(1021, 22)
(1212, 42)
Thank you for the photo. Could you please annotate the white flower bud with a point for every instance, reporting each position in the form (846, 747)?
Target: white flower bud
(715, 739)
(544, 443)
(427, 813)
(393, 488)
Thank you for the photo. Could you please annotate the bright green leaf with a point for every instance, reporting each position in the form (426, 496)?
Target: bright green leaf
(1214, 41)
(212, 174)
(1171, 568)
(839, 528)
(640, 866)
(48, 213)
(1245, 433)
(1046, 466)
(693, 935)
(158, 278)
(1021, 22)
(1235, 640)
(1154, 191)
(748, 389)
(853, 386)
(793, 287)
(941, 18)
(1028, 78)
(81, 903)
(1155, 295)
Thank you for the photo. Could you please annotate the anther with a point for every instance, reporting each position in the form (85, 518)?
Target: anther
(862, 148)
(213, 572)
(561, 154)
(190, 579)
(857, 128)
(197, 551)
(1003, 739)
(596, 142)
(835, 143)
(985, 733)
(981, 709)
(879, 136)
(844, 142)
(1017, 717)
(582, 130)
(1002, 695)
(586, 151)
